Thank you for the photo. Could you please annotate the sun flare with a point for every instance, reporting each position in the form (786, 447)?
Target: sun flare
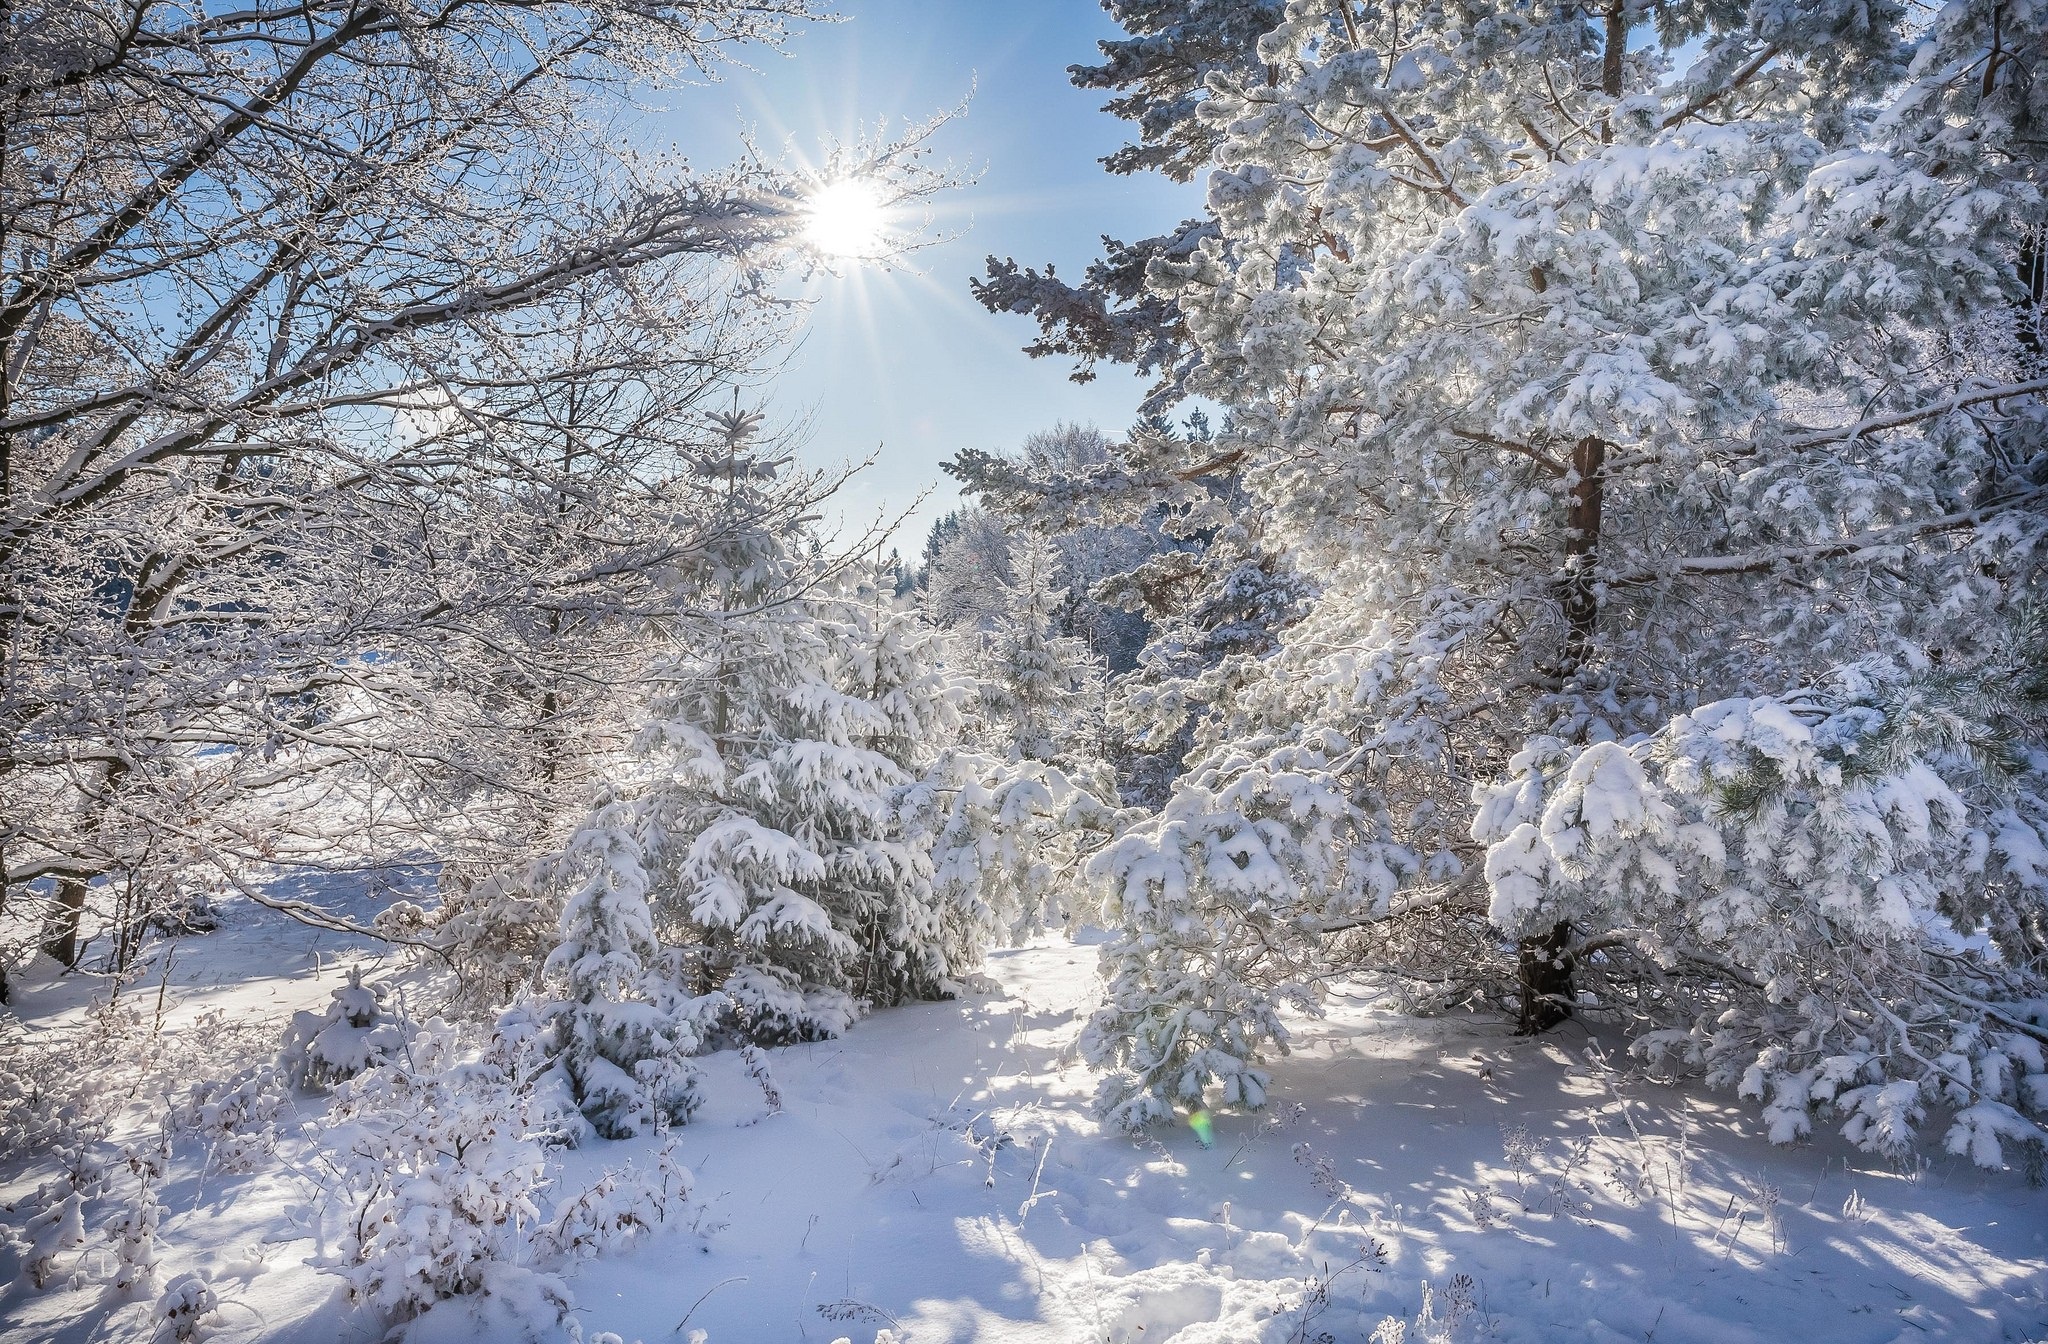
(847, 219)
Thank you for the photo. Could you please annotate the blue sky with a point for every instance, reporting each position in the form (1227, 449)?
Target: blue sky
(906, 365)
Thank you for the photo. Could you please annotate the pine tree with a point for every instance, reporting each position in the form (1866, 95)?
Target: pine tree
(913, 943)
(1172, 542)
(356, 1031)
(754, 777)
(1160, 75)
(1782, 860)
(1588, 393)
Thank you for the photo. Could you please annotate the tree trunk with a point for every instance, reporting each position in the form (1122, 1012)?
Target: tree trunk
(61, 934)
(2031, 308)
(6, 995)
(1547, 987)
(1545, 974)
(1580, 601)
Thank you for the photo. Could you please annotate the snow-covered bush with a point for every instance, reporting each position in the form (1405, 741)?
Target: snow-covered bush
(61, 1093)
(1011, 837)
(491, 928)
(355, 1031)
(1218, 881)
(439, 1157)
(1433, 1323)
(52, 1237)
(235, 1117)
(135, 1222)
(442, 1152)
(756, 1065)
(771, 1005)
(617, 1208)
(185, 1306)
(46, 1099)
(55, 1231)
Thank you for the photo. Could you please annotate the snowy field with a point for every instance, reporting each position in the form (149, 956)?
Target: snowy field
(936, 1175)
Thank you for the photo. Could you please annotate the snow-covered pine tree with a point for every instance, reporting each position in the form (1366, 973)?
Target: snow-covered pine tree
(766, 812)
(1804, 877)
(1159, 74)
(970, 547)
(1016, 809)
(732, 763)
(624, 1028)
(968, 570)
(903, 706)
(1174, 541)
(1591, 392)
(356, 1031)
(1041, 690)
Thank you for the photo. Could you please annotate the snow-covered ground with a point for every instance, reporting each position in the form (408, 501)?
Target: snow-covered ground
(936, 1174)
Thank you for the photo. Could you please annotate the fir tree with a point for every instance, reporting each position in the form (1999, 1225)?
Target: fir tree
(766, 823)
(1043, 690)
(623, 1032)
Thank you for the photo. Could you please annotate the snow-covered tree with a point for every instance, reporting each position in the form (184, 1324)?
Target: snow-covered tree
(624, 1028)
(1824, 860)
(765, 812)
(1590, 391)
(1041, 690)
(1015, 810)
(333, 462)
(1160, 75)
(967, 570)
(1170, 537)
(1009, 839)
(758, 775)
(1090, 554)
(913, 942)
(356, 1030)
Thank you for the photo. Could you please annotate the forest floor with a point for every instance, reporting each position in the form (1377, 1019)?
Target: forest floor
(936, 1175)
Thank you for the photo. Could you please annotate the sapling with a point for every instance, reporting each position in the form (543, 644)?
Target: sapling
(186, 1307)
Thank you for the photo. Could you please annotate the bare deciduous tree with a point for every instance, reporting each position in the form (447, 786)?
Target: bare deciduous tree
(344, 357)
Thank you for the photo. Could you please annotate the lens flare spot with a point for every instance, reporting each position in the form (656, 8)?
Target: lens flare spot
(1204, 1127)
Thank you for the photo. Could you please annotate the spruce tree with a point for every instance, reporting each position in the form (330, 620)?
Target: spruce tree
(766, 813)
(623, 1028)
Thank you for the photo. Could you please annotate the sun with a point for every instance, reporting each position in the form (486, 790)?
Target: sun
(847, 218)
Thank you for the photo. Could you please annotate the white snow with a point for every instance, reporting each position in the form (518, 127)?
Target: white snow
(936, 1174)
